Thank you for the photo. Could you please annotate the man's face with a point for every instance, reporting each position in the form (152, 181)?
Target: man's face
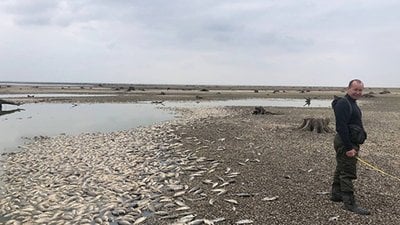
(355, 90)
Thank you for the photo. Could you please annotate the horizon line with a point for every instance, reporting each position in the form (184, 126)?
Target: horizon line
(171, 84)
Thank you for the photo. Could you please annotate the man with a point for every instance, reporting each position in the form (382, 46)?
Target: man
(347, 144)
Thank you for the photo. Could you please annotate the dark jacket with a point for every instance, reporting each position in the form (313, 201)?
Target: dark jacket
(345, 117)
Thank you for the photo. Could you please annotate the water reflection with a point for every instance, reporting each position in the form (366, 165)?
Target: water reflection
(274, 102)
(54, 119)
(53, 95)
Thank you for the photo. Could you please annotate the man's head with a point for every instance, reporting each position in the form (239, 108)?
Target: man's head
(355, 89)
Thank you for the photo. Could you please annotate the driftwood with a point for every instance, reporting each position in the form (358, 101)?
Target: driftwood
(261, 110)
(318, 124)
(4, 112)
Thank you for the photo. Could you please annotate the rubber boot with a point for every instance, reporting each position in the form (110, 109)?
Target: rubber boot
(351, 205)
(336, 194)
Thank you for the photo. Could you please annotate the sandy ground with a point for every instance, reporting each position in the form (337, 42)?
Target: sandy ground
(283, 174)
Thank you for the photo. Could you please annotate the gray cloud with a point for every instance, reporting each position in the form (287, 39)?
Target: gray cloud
(201, 41)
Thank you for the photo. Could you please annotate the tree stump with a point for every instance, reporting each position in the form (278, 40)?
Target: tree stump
(318, 124)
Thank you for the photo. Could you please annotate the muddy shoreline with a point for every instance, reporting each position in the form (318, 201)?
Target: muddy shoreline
(134, 93)
(219, 164)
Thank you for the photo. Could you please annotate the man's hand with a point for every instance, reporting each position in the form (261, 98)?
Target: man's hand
(351, 153)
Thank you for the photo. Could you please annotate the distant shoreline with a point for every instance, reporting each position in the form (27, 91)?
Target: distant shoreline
(180, 86)
(102, 92)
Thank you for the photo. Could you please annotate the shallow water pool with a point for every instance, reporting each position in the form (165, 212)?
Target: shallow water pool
(54, 119)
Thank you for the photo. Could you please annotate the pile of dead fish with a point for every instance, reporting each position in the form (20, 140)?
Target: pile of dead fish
(125, 177)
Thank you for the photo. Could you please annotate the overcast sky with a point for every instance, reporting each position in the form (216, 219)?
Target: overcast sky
(233, 42)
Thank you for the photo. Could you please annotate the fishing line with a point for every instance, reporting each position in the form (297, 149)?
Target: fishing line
(376, 168)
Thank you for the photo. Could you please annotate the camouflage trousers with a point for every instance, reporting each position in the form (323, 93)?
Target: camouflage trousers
(346, 167)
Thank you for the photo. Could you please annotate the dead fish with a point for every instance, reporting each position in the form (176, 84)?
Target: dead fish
(211, 201)
(180, 203)
(164, 199)
(334, 218)
(220, 178)
(234, 174)
(161, 213)
(175, 187)
(219, 190)
(233, 201)
(151, 207)
(169, 205)
(245, 221)
(202, 147)
(217, 220)
(199, 174)
(190, 168)
(207, 181)
(183, 208)
(244, 194)
(123, 222)
(270, 198)
(43, 220)
(196, 222)
(180, 193)
(140, 220)
(208, 222)
(220, 148)
(170, 217)
(224, 184)
(13, 222)
(198, 191)
(186, 219)
(193, 189)
(195, 199)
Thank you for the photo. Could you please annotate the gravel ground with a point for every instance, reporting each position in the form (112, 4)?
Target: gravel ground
(287, 172)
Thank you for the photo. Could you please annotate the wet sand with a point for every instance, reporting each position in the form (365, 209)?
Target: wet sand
(218, 165)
